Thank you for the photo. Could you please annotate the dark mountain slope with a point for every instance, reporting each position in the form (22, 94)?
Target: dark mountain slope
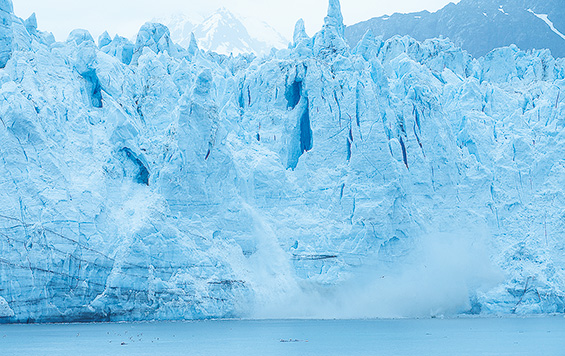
(478, 25)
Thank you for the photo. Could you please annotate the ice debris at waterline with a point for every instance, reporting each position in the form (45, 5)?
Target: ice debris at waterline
(398, 178)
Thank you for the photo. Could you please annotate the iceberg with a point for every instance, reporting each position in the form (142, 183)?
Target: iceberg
(148, 181)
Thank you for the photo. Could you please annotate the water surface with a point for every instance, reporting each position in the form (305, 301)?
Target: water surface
(540, 336)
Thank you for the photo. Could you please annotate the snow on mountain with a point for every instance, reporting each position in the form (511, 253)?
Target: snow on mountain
(143, 181)
(181, 27)
(264, 33)
(545, 19)
(225, 33)
(479, 26)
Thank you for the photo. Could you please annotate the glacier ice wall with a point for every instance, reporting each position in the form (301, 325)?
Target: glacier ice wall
(399, 178)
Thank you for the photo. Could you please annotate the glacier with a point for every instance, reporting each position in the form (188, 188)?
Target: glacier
(147, 181)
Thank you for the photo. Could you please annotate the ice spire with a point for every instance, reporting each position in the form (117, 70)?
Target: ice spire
(335, 17)
(31, 23)
(193, 45)
(330, 40)
(301, 43)
(299, 32)
(104, 39)
(367, 46)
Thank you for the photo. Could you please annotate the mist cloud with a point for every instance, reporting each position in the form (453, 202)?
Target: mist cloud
(439, 277)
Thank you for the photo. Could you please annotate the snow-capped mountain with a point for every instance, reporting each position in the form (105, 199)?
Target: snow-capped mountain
(398, 178)
(479, 26)
(225, 33)
(181, 27)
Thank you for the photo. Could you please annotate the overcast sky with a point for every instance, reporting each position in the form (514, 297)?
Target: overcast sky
(125, 17)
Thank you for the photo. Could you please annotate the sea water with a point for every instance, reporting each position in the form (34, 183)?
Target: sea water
(539, 336)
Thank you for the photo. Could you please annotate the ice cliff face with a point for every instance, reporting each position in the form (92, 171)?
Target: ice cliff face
(147, 181)
(6, 9)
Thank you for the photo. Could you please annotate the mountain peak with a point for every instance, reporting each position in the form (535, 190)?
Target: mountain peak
(478, 26)
(221, 14)
(224, 11)
(226, 33)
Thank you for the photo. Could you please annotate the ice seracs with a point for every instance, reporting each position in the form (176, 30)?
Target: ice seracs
(119, 47)
(80, 36)
(193, 45)
(299, 33)
(31, 24)
(367, 47)
(334, 16)
(104, 39)
(302, 44)
(6, 10)
(330, 40)
(156, 37)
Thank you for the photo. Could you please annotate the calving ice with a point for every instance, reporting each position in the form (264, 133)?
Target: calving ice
(398, 178)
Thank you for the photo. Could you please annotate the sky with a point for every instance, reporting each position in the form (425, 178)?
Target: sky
(125, 17)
